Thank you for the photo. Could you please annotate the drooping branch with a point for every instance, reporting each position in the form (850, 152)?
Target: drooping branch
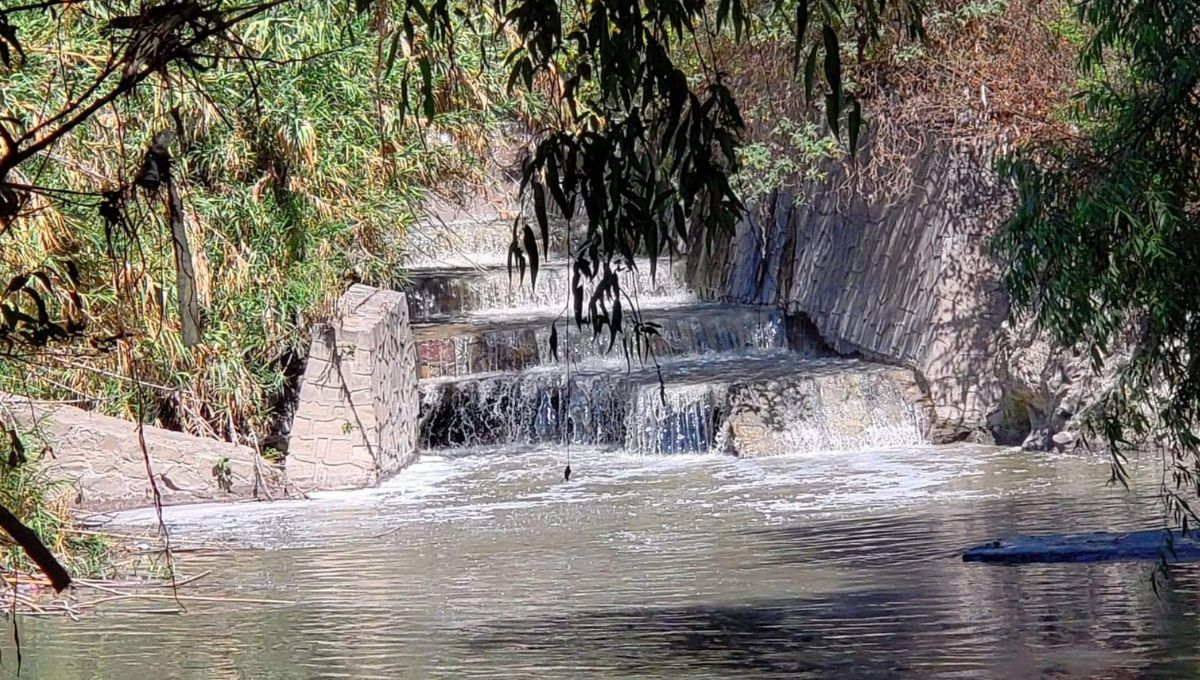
(158, 38)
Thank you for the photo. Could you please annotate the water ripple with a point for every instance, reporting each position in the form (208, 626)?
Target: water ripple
(812, 566)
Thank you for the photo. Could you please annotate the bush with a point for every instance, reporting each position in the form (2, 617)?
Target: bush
(299, 171)
(42, 504)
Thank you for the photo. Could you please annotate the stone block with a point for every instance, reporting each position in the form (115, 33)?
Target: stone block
(374, 390)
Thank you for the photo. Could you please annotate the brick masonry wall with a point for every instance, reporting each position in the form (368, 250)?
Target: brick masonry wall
(102, 459)
(908, 281)
(356, 422)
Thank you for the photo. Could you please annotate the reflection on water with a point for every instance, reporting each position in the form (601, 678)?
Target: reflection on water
(817, 566)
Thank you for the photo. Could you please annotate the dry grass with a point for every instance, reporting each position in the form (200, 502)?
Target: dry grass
(992, 77)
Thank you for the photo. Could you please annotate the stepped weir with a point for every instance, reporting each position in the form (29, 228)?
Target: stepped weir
(720, 378)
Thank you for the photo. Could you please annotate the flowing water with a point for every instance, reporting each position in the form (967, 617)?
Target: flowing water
(693, 566)
(662, 557)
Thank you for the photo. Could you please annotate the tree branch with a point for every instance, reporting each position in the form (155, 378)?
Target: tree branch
(33, 547)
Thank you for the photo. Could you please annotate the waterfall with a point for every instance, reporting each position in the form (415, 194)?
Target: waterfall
(719, 378)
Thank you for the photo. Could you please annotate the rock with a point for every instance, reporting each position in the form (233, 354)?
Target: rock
(1038, 440)
(841, 411)
(1064, 439)
(941, 431)
(102, 458)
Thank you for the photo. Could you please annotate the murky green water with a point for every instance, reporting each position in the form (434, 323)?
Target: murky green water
(821, 566)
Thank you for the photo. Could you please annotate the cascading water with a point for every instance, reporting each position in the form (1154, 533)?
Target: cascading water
(479, 562)
(719, 377)
(436, 292)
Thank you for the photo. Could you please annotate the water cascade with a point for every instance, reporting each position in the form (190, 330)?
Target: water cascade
(719, 378)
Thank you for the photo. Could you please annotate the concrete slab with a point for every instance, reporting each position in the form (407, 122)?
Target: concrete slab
(1088, 547)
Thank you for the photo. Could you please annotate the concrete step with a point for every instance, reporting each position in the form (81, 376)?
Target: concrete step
(744, 403)
(490, 343)
(437, 292)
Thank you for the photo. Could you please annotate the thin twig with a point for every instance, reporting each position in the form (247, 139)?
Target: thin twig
(389, 532)
(108, 587)
(188, 598)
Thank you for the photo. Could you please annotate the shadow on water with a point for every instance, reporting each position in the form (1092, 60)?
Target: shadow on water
(919, 630)
(889, 597)
(876, 541)
(779, 638)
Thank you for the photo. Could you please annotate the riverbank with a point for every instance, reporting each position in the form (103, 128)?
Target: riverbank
(355, 423)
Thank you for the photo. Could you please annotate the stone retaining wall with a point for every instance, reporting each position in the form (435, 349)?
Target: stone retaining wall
(356, 422)
(101, 457)
(907, 281)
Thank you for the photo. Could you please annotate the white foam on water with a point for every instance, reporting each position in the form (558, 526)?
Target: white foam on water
(521, 481)
(416, 485)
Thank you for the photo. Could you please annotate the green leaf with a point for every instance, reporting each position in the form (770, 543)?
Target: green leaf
(513, 252)
(45, 279)
(17, 283)
(833, 74)
(403, 110)
(614, 324)
(832, 112)
(722, 13)
(513, 76)
(539, 209)
(801, 29)
(532, 251)
(577, 304)
(554, 181)
(391, 55)
(427, 87)
(16, 449)
(416, 6)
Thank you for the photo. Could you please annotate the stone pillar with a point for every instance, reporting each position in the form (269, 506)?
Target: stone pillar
(356, 422)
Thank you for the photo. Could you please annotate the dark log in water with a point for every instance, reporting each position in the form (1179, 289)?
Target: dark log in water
(1089, 547)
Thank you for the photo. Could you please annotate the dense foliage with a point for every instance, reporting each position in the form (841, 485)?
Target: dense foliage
(1104, 247)
(297, 169)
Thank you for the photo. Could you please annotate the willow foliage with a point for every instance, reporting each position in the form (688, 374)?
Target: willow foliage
(1104, 248)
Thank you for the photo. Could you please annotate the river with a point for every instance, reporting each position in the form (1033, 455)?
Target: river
(661, 557)
(486, 564)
